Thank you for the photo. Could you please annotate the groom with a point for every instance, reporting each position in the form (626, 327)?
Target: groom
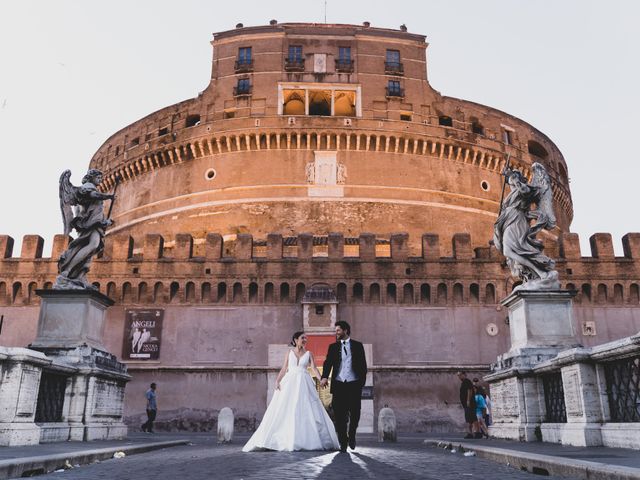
(348, 367)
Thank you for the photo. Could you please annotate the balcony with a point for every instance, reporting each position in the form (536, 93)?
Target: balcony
(393, 68)
(294, 64)
(242, 91)
(395, 92)
(344, 65)
(243, 66)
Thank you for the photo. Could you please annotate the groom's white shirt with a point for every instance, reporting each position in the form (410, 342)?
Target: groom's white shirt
(346, 373)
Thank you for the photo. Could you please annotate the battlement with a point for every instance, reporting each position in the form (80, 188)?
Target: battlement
(366, 247)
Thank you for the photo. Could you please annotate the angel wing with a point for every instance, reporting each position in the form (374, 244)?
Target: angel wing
(67, 200)
(541, 180)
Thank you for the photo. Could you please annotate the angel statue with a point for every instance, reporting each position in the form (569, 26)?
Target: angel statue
(515, 236)
(82, 210)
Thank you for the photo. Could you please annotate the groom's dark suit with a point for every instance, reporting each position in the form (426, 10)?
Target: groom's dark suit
(346, 394)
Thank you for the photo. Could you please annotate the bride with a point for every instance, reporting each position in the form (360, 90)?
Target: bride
(295, 418)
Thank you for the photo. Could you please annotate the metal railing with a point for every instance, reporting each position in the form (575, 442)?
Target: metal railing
(294, 64)
(50, 397)
(241, 91)
(554, 398)
(245, 65)
(623, 389)
(395, 92)
(393, 68)
(344, 65)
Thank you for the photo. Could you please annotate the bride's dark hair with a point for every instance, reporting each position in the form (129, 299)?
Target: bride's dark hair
(295, 337)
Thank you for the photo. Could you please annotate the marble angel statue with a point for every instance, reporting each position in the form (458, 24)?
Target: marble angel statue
(518, 224)
(82, 210)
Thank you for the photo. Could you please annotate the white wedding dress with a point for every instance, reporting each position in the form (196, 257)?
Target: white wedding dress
(295, 419)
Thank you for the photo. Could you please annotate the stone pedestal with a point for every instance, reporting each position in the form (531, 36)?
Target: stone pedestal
(541, 326)
(20, 371)
(71, 318)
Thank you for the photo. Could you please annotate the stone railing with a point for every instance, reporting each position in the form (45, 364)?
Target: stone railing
(582, 396)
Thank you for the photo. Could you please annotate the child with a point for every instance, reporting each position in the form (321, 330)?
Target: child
(481, 408)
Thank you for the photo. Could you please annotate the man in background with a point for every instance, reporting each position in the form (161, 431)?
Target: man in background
(468, 403)
(152, 409)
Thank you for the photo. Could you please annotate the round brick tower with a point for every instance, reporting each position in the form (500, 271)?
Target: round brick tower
(321, 128)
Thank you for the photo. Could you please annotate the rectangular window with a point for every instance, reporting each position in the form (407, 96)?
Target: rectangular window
(393, 57)
(344, 54)
(295, 53)
(506, 137)
(244, 55)
(393, 89)
(243, 87)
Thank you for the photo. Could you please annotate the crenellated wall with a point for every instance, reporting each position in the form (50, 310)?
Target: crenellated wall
(364, 269)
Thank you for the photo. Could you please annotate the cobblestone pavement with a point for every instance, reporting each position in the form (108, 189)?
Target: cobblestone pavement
(406, 460)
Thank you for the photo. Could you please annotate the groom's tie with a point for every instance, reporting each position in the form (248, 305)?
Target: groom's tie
(344, 347)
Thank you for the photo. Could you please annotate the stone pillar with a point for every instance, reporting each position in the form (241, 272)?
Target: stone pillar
(582, 401)
(20, 371)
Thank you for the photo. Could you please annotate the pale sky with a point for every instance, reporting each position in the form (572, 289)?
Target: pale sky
(74, 72)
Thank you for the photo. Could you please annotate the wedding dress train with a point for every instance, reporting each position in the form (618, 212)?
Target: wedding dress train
(295, 418)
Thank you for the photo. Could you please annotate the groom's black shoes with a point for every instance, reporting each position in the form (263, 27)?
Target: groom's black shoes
(352, 443)
(343, 448)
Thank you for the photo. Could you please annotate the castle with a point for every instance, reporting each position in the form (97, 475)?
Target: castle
(244, 215)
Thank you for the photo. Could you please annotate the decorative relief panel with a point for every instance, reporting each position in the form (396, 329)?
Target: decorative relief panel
(572, 394)
(325, 174)
(108, 399)
(28, 393)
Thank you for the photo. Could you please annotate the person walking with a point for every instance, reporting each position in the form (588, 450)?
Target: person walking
(152, 409)
(467, 401)
(347, 365)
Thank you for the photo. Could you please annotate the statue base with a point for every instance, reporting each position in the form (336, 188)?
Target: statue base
(71, 318)
(541, 325)
(66, 386)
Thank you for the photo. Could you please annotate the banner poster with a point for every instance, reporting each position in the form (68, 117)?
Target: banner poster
(142, 334)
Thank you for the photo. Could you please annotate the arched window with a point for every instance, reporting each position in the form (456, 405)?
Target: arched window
(237, 293)
(284, 293)
(205, 292)
(537, 150)
(442, 294)
(111, 290)
(358, 293)
(602, 293)
(342, 292)
(458, 297)
(174, 289)
(374, 293)
(31, 293)
(16, 293)
(143, 292)
(300, 289)
(425, 293)
(392, 294)
(634, 294)
(586, 293)
(127, 296)
(490, 294)
(268, 293)
(158, 293)
(407, 293)
(221, 296)
(190, 292)
(617, 294)
(474, 293)
(253, 292)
